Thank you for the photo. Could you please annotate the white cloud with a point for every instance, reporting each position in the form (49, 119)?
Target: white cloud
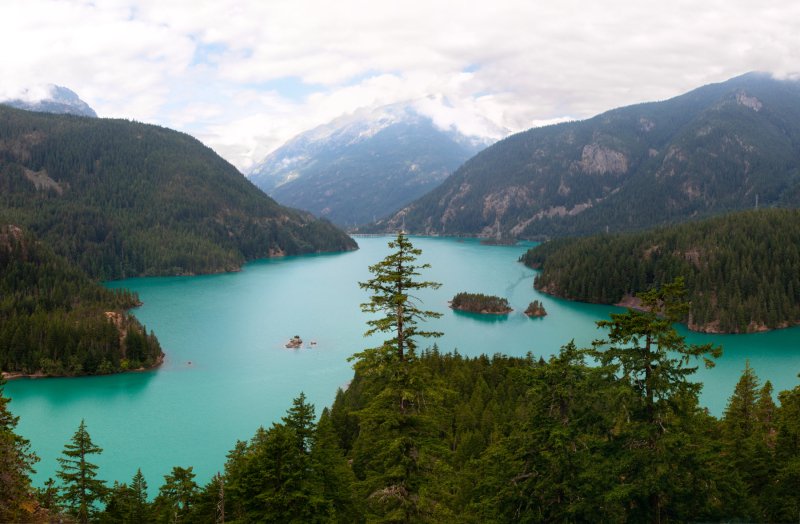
(244, 76)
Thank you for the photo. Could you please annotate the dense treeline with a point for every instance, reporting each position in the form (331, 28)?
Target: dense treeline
(741, 270)
(480, 303)
(123, 199)
(498, 439)
(55, 320)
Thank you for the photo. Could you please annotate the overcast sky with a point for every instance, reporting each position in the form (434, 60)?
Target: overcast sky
(245, 76)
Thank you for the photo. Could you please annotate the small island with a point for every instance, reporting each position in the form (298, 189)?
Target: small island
(535, 309)
(480, 303)
(295, 342)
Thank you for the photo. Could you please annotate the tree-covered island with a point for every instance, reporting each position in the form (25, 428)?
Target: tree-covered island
(480, 303)
(535, 309)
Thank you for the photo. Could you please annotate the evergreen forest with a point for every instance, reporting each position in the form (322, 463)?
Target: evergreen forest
(740, 269)
(609, 433)
(480, 303)
(123, 199)
(55, 320)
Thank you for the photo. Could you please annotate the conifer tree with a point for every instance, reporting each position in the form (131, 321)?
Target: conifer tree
(16, 464)
(139, 510)
(300, 418)
(177, 496)
(48, 496)
(81, 489)
(650, 355)
(765, 414)
(741, 412)
(393, 458)
(391, 288)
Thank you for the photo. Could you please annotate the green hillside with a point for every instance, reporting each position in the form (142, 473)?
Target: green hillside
(55, 320)
(123, 199)
(719, 148)
(742, 271)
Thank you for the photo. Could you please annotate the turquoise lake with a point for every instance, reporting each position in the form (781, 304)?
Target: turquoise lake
(227, 370)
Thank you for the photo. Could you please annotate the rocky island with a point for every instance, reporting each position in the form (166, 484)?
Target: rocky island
(535, 309)
(480, 303)
(295, 342)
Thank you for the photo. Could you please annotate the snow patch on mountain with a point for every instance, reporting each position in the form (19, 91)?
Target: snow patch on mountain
(47, 98)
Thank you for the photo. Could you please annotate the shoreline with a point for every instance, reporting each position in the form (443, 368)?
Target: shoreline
(15, 375)
(634, 303)
(482, 312)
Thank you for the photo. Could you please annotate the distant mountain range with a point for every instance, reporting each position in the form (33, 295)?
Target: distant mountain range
(121, 199)
(723, 147)
(362, 166)
(52, 99)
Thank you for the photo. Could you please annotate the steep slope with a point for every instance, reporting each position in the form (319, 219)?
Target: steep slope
(741, 269)
(52, 99)
(122, 199)
(718, 148)
(55, 320)
(361, 166)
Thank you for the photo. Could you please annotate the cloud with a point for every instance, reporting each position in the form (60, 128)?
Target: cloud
(244, 76)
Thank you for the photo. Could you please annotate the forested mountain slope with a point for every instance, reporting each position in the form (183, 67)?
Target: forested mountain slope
(742, 271)
(719, 148)
(55, 320)
(365, 165)
(122, 198)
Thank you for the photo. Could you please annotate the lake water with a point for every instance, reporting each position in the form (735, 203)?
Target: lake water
(227, 371)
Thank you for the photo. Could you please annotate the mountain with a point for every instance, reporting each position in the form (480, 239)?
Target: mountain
(740, 269)
(52, 99)
(719, 148)
(122, 199)
(362, 166)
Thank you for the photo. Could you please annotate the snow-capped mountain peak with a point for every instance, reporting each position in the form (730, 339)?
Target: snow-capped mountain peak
(48, 98)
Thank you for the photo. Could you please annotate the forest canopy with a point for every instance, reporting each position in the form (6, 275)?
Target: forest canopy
(741, 270)
(55, 320)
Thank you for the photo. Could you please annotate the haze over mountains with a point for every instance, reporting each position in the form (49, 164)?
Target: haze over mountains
(51, 99)
(721, 147)
(365, 165)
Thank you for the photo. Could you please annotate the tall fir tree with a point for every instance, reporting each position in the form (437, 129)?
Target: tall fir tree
(648, 353)
(740, 417)
(81, 488)
(139, 511)
(176, 497)
(391, 287)
(394, 455)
